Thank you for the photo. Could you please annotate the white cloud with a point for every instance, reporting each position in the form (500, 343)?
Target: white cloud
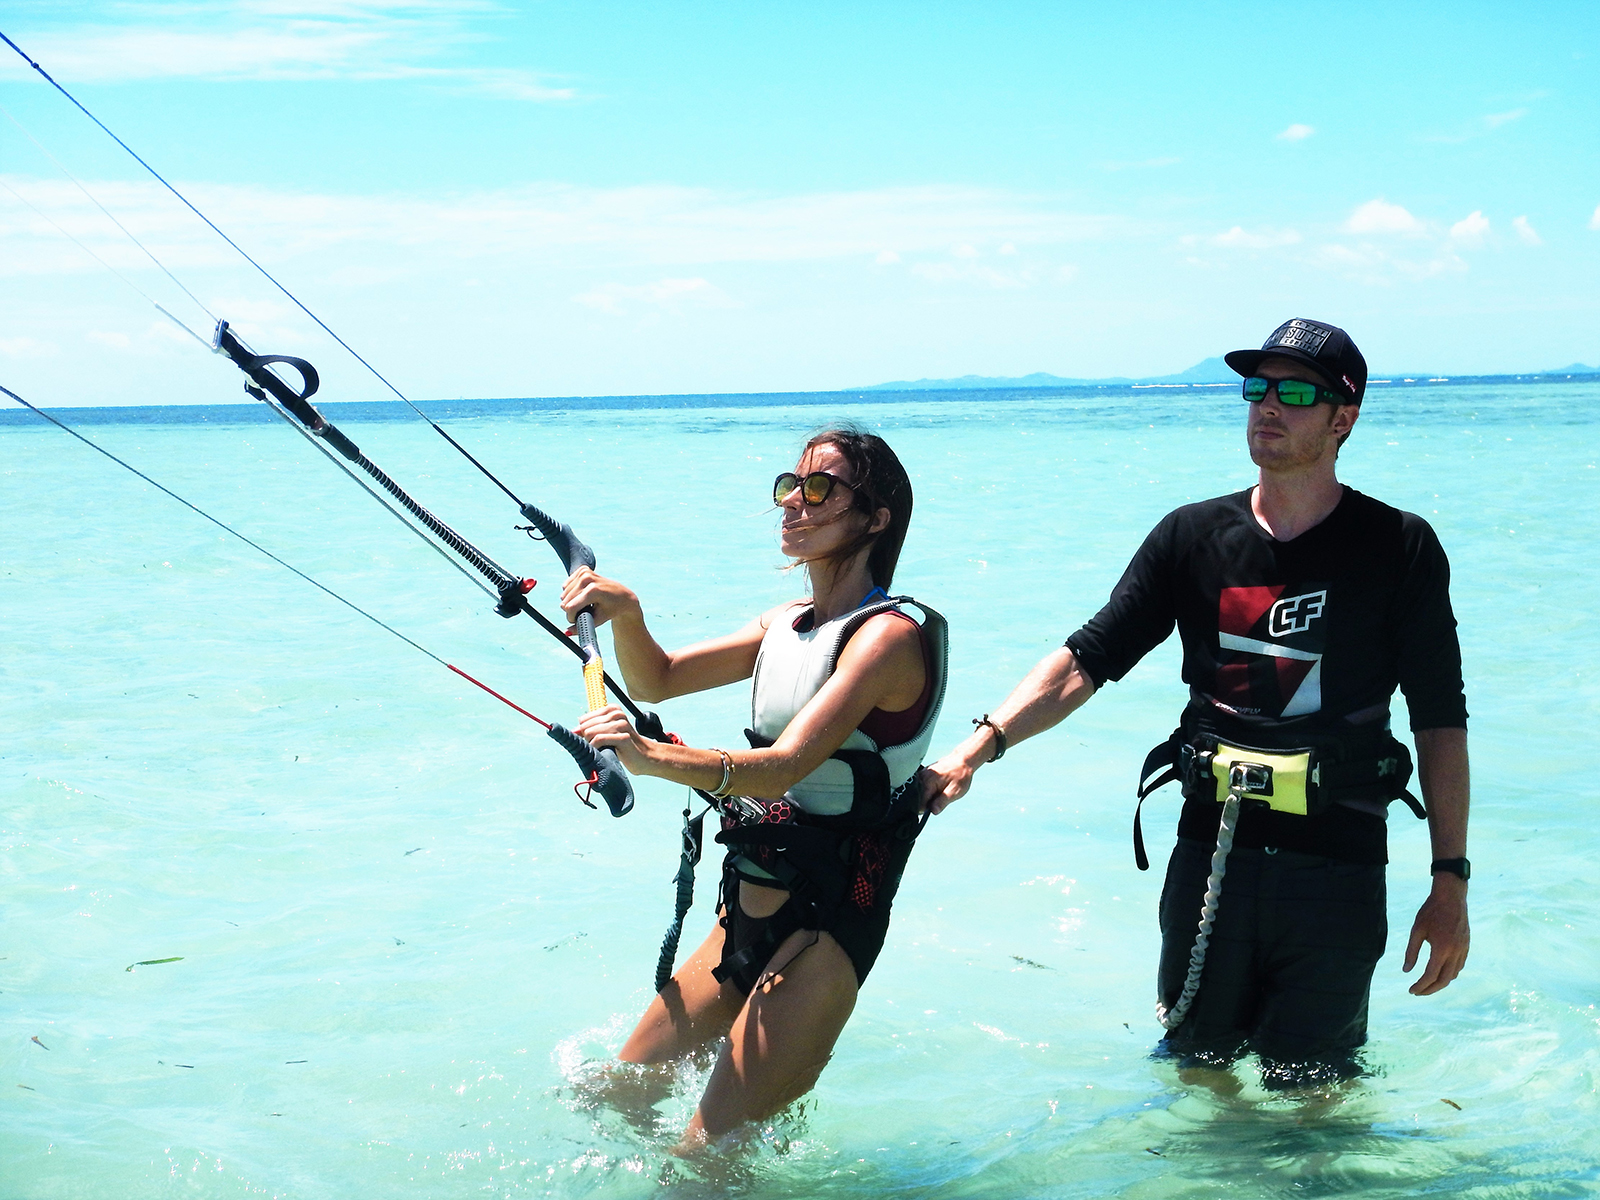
(1296, 133)
(1471, 229)
(1374, 265)
(534, 226)
(1495, 120)
(668, 294)
(1479, 127)
(938, 272)
(1265, 239)
(1141, 164)
(27, 347)
(1594, 221)
(886, 258)
(1526, 231)
(232, 42)
(964, 251)
(1379, 216)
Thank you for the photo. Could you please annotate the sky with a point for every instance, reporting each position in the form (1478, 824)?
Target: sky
(549, 199)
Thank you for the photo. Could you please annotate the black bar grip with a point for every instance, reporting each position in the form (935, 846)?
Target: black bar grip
(563, 541)
(584, 622)
(611, 781)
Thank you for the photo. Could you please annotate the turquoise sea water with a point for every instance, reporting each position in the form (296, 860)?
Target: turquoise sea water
(400, 939)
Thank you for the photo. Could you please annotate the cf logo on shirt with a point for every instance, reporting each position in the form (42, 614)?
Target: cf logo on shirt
(1294, 614)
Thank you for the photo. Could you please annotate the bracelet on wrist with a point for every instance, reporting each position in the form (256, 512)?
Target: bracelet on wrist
(999, 736)
(1455, 866)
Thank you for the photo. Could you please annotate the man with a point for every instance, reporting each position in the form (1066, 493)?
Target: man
(1301, 605)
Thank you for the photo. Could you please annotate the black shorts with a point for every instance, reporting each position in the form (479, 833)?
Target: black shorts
(859, 931)
(1289, 966)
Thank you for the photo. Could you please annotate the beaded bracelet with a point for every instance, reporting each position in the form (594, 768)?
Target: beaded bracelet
(999, 736)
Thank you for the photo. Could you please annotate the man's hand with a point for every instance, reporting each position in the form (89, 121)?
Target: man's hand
(946, 781)
(1442, 923)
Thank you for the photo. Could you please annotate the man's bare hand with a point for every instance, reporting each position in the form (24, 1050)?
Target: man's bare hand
(945, 782)
(1442, 923)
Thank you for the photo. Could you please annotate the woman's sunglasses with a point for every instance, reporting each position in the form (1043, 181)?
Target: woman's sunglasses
(1296, 393)
(815, 488)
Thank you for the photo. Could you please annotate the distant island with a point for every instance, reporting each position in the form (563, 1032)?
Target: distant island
(1212, 370)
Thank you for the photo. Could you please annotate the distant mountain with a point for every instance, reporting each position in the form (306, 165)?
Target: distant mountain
(1212, 370)
(1575, 369)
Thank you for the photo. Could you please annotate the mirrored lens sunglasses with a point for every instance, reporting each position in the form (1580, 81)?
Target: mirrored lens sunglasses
(1296, 393)
(815, 488)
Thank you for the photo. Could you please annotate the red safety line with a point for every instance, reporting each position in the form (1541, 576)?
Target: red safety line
(497, 695)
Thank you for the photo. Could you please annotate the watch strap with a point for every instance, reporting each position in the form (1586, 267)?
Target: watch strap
(1456, 866)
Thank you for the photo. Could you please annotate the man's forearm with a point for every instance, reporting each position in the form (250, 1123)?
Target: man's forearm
(1055, 688)
(1443, 774)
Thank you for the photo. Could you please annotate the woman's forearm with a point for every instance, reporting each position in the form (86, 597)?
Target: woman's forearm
(766, 773)
(645, 666)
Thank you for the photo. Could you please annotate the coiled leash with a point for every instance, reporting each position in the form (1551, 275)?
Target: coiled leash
(1242, 777)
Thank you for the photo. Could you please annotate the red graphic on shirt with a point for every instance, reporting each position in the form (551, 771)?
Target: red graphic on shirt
(1271, 647)
(1242, 608)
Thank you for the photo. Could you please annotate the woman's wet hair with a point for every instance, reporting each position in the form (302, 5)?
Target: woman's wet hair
(878, 481)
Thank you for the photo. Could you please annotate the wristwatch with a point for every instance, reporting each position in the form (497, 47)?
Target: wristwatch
(1456, 866)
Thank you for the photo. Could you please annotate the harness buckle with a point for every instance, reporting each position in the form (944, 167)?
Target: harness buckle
(1252, 777)
(1193, 763)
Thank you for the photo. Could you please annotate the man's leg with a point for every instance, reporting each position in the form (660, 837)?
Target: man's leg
(1328, 923)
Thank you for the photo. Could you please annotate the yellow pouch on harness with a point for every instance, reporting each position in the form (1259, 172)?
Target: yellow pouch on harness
(1284, 779)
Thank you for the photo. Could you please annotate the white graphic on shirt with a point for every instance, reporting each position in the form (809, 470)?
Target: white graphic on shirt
(1307, 697)
(1294, 614)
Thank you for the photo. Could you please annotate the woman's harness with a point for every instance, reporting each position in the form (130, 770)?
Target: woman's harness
(829, 863)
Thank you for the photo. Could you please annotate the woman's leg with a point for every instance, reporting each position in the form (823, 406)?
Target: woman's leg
(783, 1037)
(690, 1011)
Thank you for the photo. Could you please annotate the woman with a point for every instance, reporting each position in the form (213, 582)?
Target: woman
(821, 812)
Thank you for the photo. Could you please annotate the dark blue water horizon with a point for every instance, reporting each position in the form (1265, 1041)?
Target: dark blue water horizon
(464, 408)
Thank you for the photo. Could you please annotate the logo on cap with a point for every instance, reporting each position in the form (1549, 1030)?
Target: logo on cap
(1300, 335)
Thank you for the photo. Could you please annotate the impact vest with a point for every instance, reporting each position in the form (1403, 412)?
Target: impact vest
(840, 836)
(860, 779)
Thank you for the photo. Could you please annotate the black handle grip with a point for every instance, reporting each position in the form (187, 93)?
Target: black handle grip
(563, 541)
(649, 724)
(611, 781)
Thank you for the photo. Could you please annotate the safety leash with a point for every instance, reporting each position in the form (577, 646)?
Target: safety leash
(1239, 782)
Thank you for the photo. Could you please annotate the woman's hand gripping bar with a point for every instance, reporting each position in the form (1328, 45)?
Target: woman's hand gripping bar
(575, 554)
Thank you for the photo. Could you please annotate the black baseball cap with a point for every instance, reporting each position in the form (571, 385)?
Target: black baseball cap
(1325, 347)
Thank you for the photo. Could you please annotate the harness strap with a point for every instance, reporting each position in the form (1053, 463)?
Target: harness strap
(693, 840)
(779, 926)
(795, 913)
(1160, 768)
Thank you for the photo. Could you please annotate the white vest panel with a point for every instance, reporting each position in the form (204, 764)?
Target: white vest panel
(791, 667)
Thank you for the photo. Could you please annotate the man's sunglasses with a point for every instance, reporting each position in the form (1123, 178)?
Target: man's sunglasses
(1296, 393)
(815, 488)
